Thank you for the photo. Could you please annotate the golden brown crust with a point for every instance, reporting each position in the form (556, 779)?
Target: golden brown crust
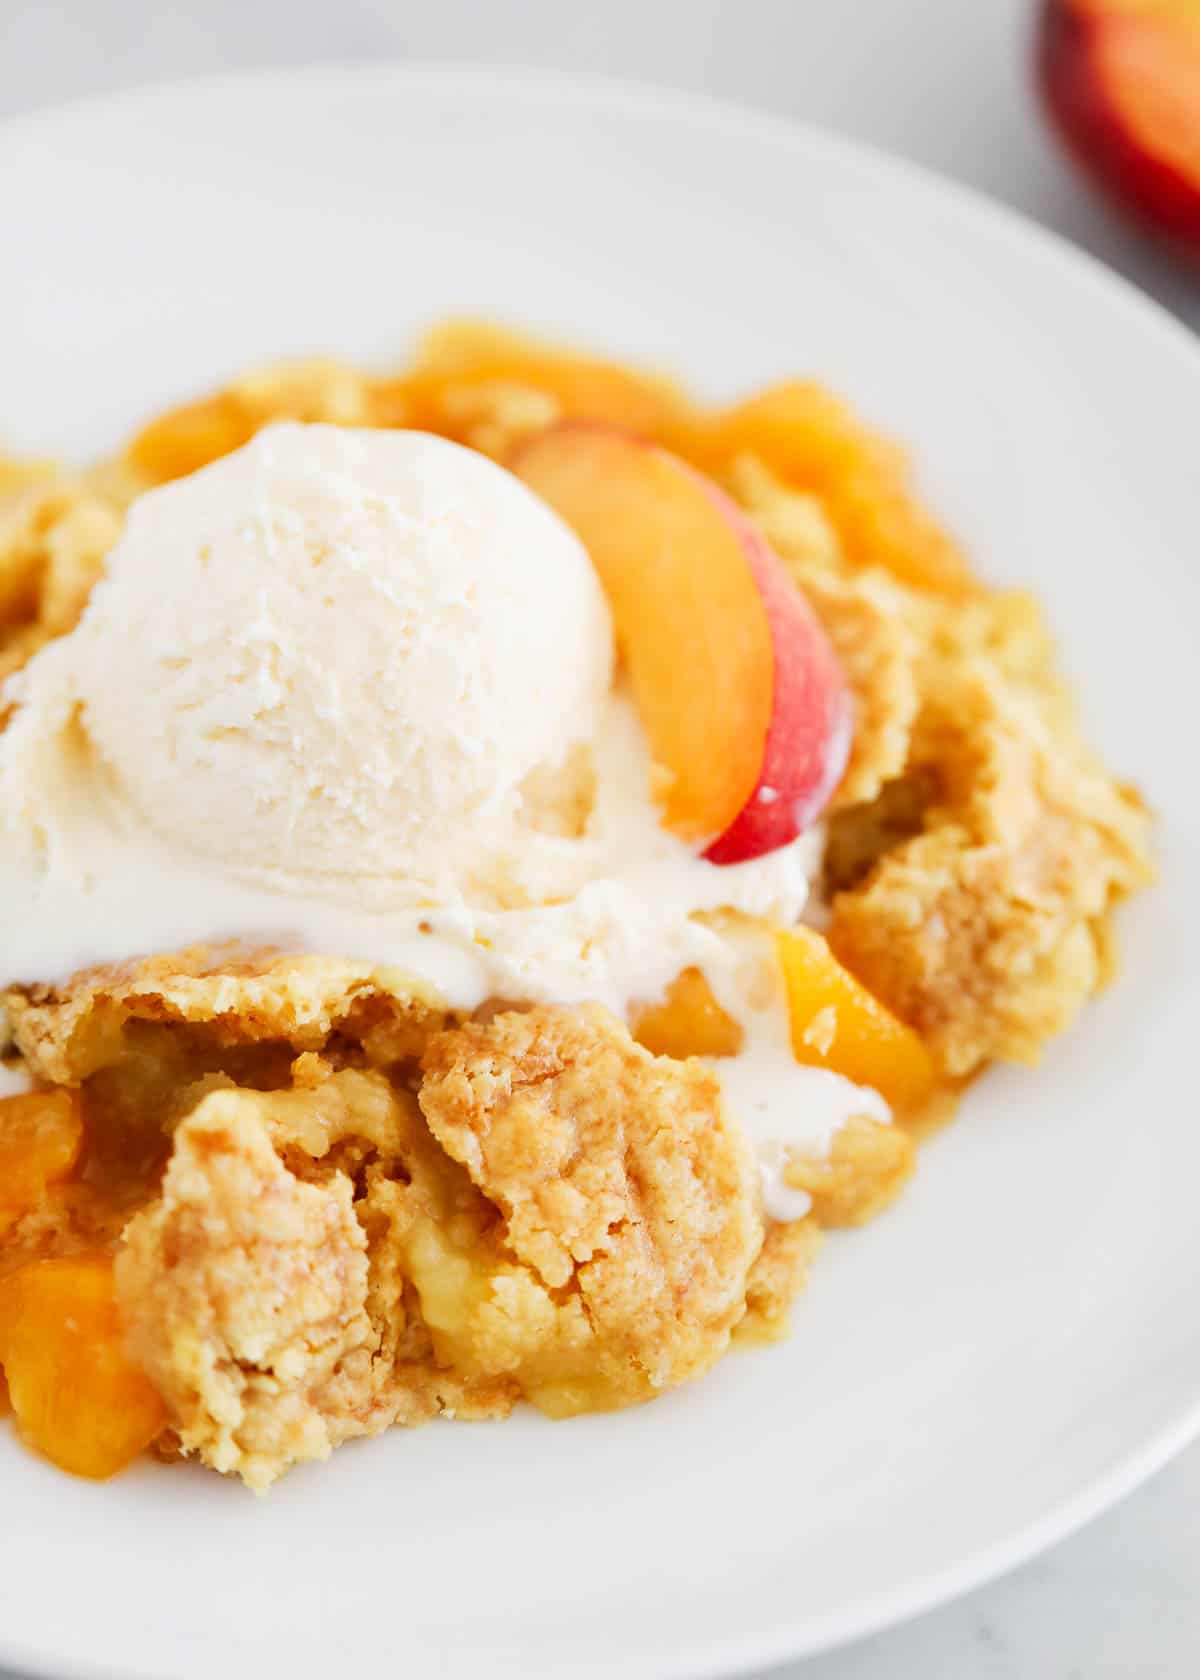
(876, 647)
(986, 930)
(54, 534)
(867, 1166)
(794, 522)
(566, 1219)
(629, 1199)
(262, 1290)
(244, 1292)
(242, 994)
(976, 848)
(778, 1275)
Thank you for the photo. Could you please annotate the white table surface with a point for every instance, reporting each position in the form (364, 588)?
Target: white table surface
(941, 81)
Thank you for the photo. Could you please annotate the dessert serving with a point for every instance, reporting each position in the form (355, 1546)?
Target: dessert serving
(495, 859)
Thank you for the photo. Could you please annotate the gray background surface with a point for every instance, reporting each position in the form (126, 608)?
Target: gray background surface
(944, 82)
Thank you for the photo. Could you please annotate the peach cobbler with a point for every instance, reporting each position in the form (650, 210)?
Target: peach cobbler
(495, 859)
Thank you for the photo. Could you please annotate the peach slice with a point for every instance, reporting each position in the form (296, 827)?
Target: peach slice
(741, 695)
(837, 1023)
(41, 1139)
(77, 1396)
(1121, 81)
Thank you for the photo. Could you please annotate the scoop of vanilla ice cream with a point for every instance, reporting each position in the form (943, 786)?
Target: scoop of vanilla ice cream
(342, 655)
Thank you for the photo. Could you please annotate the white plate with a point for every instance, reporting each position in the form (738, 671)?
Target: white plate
(1019, 1342)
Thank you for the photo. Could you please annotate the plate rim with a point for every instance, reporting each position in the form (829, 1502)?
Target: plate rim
(635, 93)
(786, 1639)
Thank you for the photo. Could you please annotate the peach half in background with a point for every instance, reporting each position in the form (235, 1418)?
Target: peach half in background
(1121, 81)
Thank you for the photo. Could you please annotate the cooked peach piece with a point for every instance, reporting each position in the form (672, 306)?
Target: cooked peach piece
(837, 1023)
(739, 691)
(41, 1138)
(688, 1022)
(812, 442)
(77, 1396)
(461, 354)
(187, 438)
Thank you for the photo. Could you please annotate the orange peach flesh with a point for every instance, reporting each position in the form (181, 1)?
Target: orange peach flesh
(41, 1138)
(837, 1023)
(688, 1022)
(459, 355)
(812, 442)
(742, 699)
(78, 1398)
(691, 623)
